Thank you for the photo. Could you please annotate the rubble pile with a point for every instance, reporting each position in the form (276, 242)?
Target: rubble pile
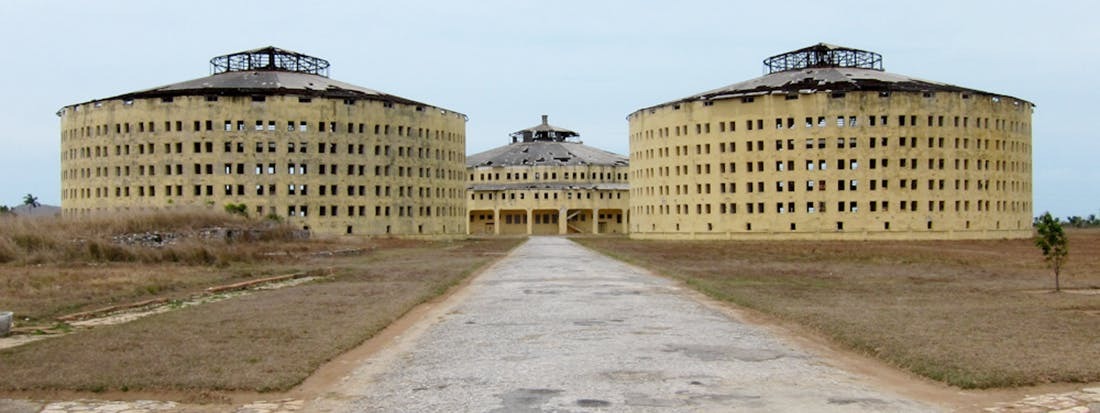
(157, 239)
(154, 239)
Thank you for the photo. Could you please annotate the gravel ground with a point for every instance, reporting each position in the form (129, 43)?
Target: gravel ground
(554, 327)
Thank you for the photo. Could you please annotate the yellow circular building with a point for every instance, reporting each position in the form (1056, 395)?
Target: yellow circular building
(270, 130)
(546, 181)
(828, 145)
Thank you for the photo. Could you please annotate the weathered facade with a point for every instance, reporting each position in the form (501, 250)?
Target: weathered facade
(828, 145)
(270, 130)
(547, 182)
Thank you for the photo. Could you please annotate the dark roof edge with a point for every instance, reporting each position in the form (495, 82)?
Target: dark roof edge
(837, 87)
(343, 93)
(337, 93)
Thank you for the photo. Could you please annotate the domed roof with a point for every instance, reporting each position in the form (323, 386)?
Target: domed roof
(265, 72)
(265, 82)
(826, 68)
(545, 145)
(543, 132)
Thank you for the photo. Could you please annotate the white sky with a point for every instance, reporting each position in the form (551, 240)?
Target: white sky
(587, 64)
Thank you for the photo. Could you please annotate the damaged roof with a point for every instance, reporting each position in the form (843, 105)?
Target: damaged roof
(543, 132)
(545, 145)
(266, 82)
(267, 71)
(829, 79)
(825, 75)
(546, 153)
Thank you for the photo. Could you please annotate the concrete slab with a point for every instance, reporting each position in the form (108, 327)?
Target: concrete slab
(556, 327)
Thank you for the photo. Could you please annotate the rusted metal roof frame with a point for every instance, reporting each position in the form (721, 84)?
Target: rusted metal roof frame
(823, 55)
(269, 58)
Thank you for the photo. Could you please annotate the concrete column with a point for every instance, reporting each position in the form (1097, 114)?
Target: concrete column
(562, 218)
(595, 220)
(496, 221)
(530, 221)
(626, 220)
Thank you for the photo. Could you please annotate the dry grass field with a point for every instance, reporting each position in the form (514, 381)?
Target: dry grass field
(265, 341)
(54, 266)
(974, 314)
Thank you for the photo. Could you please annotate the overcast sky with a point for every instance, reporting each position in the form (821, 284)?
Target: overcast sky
(587, 64)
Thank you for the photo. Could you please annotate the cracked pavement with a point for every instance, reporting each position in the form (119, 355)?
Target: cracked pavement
(554, 327)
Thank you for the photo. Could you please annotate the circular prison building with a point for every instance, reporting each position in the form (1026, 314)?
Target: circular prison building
(828, 145)
(270, 130)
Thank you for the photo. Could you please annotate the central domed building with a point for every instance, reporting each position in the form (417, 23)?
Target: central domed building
(828, 145)
(546, 181)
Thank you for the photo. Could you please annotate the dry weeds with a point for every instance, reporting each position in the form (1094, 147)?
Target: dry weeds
(266, 341)
(53, 266)
(975, 314)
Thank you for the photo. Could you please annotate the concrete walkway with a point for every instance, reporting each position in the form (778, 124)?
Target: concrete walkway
(554, 327)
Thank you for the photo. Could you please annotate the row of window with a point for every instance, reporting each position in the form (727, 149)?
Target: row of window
(781, 145)
(821, 185)
(263, 169)
(511, 195)
(811, 207)
(823, 165)
(263, 189)
(568, 176)
(260, 126)
(362, 211)
(839, 226)
(271, 147)
(840, 122)
(541, 218)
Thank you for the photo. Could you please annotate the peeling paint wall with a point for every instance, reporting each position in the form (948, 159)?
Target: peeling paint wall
(547, 200)
(333, 165)
(944, 165)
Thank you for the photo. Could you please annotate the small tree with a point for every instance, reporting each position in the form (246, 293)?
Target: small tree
(31, 200)
(1052, 240)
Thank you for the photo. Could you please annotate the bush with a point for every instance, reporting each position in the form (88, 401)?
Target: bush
(237, 209)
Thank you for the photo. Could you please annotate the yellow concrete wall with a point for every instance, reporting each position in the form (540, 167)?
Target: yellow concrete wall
(548, 201)
(684, 154)
(127, 155)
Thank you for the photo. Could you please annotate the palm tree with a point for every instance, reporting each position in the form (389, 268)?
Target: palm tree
(31, 200)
